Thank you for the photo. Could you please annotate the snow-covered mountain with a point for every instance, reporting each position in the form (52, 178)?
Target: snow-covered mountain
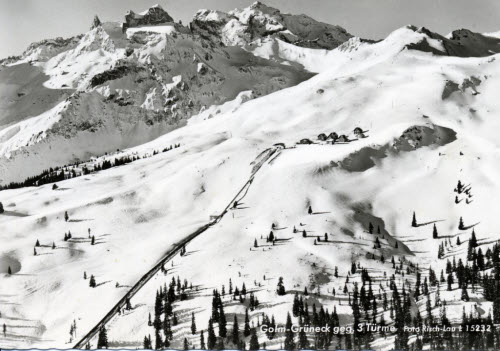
(259, 21)
(336, 167)
(117, 86)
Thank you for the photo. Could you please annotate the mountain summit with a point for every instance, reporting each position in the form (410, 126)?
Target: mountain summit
(259, 21)
(152, 16)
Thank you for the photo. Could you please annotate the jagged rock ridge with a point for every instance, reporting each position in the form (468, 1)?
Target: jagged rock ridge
(242, 27)
(152, 16)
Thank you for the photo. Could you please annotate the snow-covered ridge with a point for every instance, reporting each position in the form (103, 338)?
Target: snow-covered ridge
(258, 21)
(46, 49)
(152, 16)
(125, 79)
(29, 131)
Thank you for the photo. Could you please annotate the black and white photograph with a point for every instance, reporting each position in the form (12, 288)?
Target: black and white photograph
(241, 175)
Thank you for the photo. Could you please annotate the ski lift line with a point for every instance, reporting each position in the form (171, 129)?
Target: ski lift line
(170, 254)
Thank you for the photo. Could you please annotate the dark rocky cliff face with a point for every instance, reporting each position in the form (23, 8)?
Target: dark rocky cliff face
(462, 43)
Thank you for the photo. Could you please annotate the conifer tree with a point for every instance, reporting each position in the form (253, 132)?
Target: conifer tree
(465, 294)
(414, 221)
(222, 322)
(66, 216)
(202, 341)
(34, 251)
(147, 343)
(458, 241)
(102, 339)
(281, 287)
(37, 244)
(212, 339)
(1, 208)
(254, 341)
(193, 324)
(84, 275)
(370, 228)
(303, 342)
(186, 345)
(271, 236)
(295, 306)
(92, 282)
(53, 245)
(434, 232)
(9, 271)
(473, 240)
(461, 224)
(92, 241)
(496, 309)
(289, 337)
(246, 330)
(255, 243)
(273, 325)
(158, 340)
(470, 253)
(235, 335)
(167, 330)
(441, 251)
(450, 281)
(310, 211)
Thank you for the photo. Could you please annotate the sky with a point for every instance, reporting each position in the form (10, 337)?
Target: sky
(25, 21)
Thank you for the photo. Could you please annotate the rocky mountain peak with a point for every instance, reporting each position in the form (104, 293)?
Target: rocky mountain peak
(243, 27)
(95, 23)
(152, 16)
(460, 43)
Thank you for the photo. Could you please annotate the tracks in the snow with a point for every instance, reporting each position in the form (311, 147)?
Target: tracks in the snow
(257, 164)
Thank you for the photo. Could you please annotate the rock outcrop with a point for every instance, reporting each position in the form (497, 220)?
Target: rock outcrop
(460, 43)
(95, 23)
(152, 16)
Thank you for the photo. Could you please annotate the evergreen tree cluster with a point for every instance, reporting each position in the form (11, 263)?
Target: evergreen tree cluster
(57, 174)
(164, 315)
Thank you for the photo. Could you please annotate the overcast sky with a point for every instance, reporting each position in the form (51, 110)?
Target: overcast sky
(26, 21)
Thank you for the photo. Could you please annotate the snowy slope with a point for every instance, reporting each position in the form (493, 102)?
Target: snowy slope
(138, 211)
(126, 86)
